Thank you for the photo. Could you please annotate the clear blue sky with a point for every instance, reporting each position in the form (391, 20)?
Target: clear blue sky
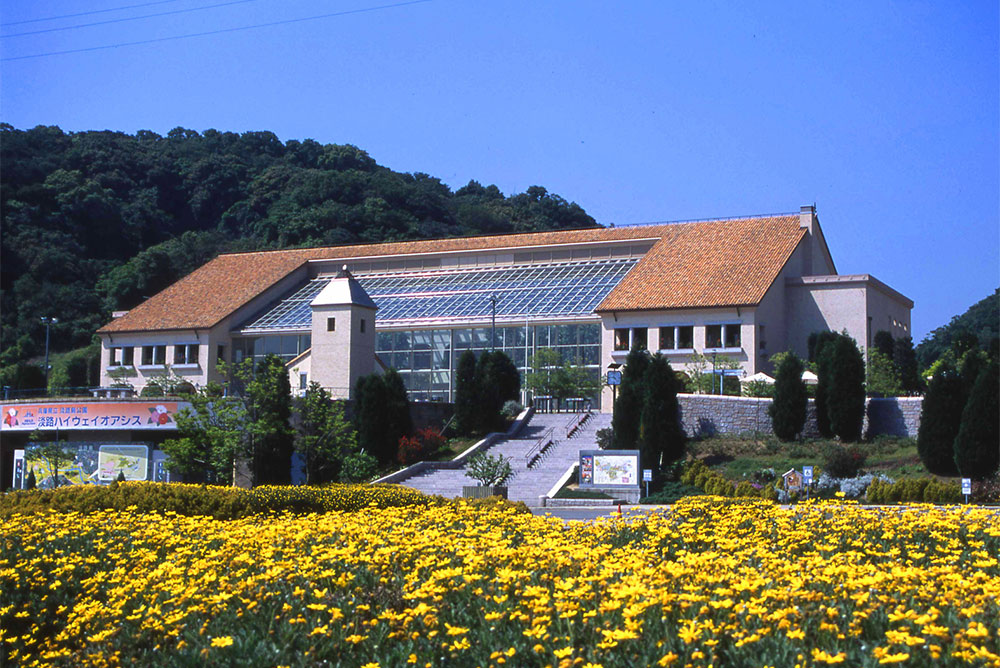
(885, 114)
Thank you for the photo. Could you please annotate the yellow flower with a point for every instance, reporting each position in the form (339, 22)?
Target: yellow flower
(222, 641)
(819, 655)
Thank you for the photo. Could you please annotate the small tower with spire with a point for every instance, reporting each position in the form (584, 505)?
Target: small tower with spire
(343, 335)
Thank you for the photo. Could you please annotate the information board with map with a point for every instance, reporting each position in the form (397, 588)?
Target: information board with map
(609, 468)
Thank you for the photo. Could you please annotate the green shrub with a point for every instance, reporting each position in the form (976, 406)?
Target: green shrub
(920, 490)
(843, 462)
(671, 492)
(977, 444)
(223, 503)
(940, 419)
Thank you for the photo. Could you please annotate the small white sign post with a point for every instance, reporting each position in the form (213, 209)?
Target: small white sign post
(807, 478)
(647, 475)
(966, 488)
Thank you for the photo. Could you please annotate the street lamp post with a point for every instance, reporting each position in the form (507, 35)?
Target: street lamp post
(714, 373)
(493, 322)
(48, 322)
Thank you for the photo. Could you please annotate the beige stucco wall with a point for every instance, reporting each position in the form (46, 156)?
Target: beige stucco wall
(679, 360)
(340, 357)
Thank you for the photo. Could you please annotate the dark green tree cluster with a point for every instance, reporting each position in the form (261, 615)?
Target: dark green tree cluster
(960, 420)
(788, 410)
(324, 437)
(646, 413)
(381, 414)
(97, 221)
(481, 388)
(892, 366)
(840, 388)
(978, 327)
(246, 425)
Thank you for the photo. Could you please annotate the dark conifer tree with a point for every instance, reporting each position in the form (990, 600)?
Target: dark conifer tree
(628, 406)
(399, 423)
(846, 398)
(788, 410)
(466, 393)
(940, 419)
(977, 445)
(905, 359)
(662, 439)
(884, 343)
(269, 398)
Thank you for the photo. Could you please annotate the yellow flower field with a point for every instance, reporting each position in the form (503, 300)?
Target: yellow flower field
(723, 582)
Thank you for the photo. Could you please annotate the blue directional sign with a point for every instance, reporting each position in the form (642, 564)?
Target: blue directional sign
(614, 378)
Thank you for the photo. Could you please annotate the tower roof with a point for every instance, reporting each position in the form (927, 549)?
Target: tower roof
(344, 290)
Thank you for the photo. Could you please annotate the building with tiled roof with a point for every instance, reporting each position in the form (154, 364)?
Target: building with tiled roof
(743, 288)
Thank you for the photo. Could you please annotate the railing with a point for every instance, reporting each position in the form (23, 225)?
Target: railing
(535, 451)
(576, 422)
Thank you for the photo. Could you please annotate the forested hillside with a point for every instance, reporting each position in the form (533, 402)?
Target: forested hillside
(979, 327)
(97, 221)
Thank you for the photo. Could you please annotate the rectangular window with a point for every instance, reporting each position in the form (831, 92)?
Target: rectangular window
(713, 336)
(303, 381)
(186, 353)
(667, 339)
(128, 356)
(220, 353)
(731, 336)
(639, 338)
(154, 355)
(726, 335)
(362, 325)
(331, 324)
(677, 337)
(621, 339)
(685, 337)
(114, 357)
(763, 339)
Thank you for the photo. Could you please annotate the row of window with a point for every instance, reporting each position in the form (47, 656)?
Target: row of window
(154, 355)
(679, 337)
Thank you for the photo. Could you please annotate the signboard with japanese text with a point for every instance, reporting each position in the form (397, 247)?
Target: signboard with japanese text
(159, 415)
(609, 468)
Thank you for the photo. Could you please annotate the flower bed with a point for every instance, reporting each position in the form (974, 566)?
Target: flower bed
(729, 582)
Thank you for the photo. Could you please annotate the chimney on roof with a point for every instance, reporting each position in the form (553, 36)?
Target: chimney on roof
(807, 216)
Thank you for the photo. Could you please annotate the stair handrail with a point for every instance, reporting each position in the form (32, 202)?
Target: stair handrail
(539, 445)
(576, 422)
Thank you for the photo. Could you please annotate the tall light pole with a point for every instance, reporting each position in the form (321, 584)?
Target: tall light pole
(48, 322)
(493, 321)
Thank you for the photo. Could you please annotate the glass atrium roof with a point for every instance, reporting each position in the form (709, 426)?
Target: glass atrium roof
(521, 291)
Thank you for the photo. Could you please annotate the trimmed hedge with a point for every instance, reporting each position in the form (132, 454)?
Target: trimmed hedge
(698, 475)
(920, 490)
(223, 503)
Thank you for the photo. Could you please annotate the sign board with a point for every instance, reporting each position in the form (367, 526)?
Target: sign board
(609, 468)
(614, 378)
(807, 474)
(84, 463)
(966, 486)
(49, 416)
(792, 480)
(647, 475)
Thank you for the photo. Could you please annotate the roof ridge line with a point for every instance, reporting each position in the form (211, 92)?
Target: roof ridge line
(752, 216)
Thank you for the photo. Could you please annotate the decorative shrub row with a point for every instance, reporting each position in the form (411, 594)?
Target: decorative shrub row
(702, 477)
(222, 503)
(920, 490)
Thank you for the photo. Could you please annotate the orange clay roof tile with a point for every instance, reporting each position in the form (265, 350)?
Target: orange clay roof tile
(694, 264)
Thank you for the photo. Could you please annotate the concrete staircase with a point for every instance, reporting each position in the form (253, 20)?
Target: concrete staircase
(528, 483)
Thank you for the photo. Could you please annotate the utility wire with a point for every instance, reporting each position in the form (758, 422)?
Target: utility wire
(217, 32)
(96, 11)
(127, 18)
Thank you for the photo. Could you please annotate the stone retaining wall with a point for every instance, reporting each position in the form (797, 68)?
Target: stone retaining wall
(708, 415)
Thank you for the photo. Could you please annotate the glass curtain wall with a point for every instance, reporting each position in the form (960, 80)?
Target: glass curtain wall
(427, 358)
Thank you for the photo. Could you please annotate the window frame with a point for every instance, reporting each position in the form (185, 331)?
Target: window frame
(186, 360)
(725, 328)
(677, 349)
(156, 361)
